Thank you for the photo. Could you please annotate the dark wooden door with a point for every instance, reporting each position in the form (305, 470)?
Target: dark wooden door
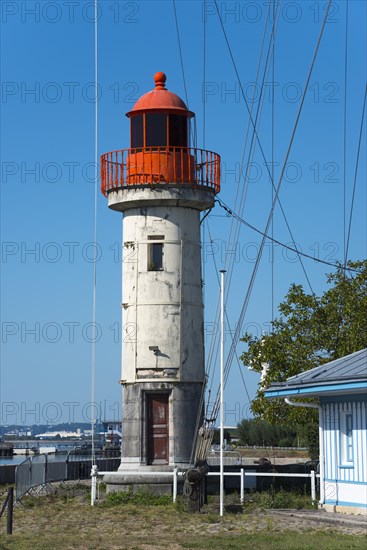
(157, 409)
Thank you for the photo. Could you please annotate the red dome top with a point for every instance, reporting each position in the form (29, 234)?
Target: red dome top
(160, 99)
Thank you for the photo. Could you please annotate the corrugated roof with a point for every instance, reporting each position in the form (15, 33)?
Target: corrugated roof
(351, 367)
(343, 376)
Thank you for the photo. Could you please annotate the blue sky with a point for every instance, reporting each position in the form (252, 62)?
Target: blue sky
(47, 188)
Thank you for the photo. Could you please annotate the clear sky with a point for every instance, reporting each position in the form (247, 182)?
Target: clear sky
(47, 187)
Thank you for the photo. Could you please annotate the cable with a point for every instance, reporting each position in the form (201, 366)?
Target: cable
(243, 188)
(257, 121)
(344, 173)
(259, 255)
(205, 215)
(355, 175)
(295, 126)
(252, 143)
(180, 51)
(254, 125)
(204, 72)
(215, 339)
(239, 365)
(272, 166)
(226, 373)
(193, 132)
(345, 128)
(229, 328)
(337, 265)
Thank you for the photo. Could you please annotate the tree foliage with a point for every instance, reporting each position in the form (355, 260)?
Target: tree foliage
(310, 331)
(260, 432)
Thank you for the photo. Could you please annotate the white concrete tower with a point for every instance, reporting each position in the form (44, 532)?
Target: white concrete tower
(161, 185)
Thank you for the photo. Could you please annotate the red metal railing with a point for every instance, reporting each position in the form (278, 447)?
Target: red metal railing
(160, 165)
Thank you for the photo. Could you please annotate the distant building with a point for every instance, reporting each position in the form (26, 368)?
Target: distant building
(112, 432)
(341, 387)
(25, 433)
(60, 433)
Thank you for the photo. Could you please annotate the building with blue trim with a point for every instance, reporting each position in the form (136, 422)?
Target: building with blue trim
(341, 387)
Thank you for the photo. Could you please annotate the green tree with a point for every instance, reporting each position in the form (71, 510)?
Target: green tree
(310, 331)
(260, 432)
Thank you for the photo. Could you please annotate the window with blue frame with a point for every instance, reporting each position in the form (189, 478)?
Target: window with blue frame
(346, 439)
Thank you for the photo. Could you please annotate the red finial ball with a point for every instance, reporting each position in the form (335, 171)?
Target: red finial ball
(160, 79)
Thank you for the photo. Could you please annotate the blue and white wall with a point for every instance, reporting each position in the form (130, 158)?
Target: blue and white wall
(345, 445)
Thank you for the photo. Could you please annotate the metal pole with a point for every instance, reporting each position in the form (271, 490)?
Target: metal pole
(93, 493)
(242, 493)
(322, 456)
(221, 483)
(313, 485)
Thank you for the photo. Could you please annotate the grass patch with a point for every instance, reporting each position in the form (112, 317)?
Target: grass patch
(286, 541)
(138, 497)
(143, 523)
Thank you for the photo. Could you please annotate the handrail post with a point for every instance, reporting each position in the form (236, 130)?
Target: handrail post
(175, 471)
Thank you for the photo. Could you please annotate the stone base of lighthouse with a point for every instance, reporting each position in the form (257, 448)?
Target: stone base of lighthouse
(160, 420)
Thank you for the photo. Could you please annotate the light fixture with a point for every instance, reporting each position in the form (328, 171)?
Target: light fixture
(171, 372)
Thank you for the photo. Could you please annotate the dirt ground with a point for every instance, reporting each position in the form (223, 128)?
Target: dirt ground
(302, 520)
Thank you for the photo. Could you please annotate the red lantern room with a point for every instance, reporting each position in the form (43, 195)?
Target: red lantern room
(159, 150)
(159, 118)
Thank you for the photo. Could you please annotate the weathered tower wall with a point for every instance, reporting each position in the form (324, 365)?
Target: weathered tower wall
(162, 320)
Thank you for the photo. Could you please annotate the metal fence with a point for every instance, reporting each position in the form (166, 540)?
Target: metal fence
(38, 471)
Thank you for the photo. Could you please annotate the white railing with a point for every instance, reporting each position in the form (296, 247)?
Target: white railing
(242, 473)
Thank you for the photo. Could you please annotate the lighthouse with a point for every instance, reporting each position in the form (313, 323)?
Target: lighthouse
(161, 185)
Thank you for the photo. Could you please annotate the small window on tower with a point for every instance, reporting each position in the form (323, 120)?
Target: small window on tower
(155, 253)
